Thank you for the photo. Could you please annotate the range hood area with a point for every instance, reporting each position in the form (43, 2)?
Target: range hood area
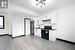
(46, 22)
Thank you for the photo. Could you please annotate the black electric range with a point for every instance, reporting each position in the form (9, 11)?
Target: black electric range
(45, 32)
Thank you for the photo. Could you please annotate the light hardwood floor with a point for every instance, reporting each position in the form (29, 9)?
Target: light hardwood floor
(32, 43)
(5, 42)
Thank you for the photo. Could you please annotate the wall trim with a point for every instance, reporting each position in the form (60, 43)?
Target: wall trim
(65, 41)
(4, 34)
(17, 36)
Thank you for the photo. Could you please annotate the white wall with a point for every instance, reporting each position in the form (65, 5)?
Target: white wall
(66, 23)
(10, 23)
(18, 24)
(6, 25)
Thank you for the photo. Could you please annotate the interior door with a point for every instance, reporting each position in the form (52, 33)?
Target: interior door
(32, 27)
(27, 27)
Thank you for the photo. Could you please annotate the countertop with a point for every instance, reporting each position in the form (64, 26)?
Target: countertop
(46, 29)
(39, 28)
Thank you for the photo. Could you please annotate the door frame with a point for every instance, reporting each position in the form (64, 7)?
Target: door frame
(24, 24)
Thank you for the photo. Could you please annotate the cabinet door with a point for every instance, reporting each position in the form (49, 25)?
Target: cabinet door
(38, 33)
(52, 36)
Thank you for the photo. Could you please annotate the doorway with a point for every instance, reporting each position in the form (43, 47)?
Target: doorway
(28, 26)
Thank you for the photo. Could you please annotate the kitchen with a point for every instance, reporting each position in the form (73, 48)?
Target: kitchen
(45, 27)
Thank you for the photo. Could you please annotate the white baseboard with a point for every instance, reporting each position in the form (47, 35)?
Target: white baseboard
(16, 35)
(4, 33)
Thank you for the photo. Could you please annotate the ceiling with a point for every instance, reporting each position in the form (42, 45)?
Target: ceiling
(50, 5)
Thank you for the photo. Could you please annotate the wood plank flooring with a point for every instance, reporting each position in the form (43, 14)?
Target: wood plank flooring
(32, 43)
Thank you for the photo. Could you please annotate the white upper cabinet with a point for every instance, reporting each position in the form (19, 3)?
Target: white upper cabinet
(46, 17)
(39, 20)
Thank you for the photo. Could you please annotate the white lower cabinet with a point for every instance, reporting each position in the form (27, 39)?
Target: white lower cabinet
(38, 32)
(52, 36)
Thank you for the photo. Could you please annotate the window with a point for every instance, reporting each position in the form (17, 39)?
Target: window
(1, 22)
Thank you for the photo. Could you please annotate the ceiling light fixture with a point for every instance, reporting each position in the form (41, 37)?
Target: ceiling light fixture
(41, 2)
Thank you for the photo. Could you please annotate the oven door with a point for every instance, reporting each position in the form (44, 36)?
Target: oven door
(45, 34)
